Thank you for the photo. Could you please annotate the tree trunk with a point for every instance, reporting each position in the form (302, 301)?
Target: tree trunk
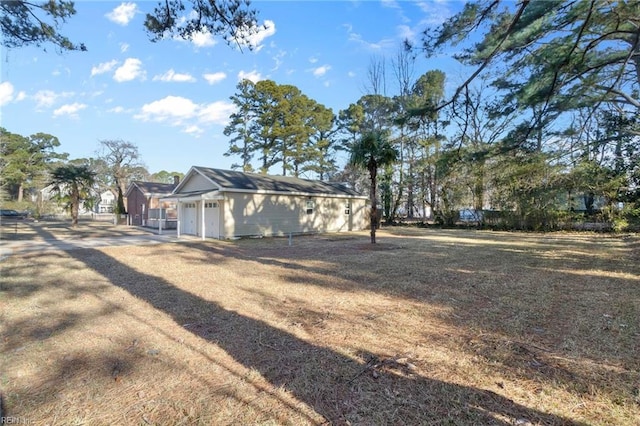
(410, 189)
(20, 192)
(398, 199)
(433, 199)
(386, 194)
(374, 207)
(75, 207)
(478, 188)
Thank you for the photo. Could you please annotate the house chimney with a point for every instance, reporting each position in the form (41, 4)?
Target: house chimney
(176, 180)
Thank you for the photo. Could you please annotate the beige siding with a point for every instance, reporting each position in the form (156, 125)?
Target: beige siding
(260, 214)
(360, 211)
(197, 183)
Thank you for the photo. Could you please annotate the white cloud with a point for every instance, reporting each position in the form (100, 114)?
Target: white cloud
(130, 70)
(124, 47)
(278, 59)
(21, 96)
(103, 67)
(320, 71)
(202, 38)
(393, 4)
(253, 76)
(407, 33)
(179, 111)
(172, 76)
(58, 72)
(45, 98)
(6, 93)
(313, 60)
(70, 109)
(193, 130)
(215, 77)
(174, 109)
(436, 13)
(116, 110)
(123, 14)
(216, 112)
(351, 74)
(255, 40)
(384, 44)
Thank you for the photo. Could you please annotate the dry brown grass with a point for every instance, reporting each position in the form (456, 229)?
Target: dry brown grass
(427, 327)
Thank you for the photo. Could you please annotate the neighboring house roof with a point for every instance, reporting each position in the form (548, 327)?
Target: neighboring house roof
(152, 188)
(228, 180)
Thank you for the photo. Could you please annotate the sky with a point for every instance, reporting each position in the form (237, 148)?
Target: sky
(171, 98)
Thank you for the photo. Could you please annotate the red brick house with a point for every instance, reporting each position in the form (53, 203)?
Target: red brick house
(145, 207)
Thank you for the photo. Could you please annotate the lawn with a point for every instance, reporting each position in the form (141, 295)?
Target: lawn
(426, 327)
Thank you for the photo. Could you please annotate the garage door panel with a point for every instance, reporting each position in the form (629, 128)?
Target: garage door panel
(212, 219)
(190, 215)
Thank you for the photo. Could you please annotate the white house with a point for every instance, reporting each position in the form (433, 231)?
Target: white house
(106, 203)
(224, 204)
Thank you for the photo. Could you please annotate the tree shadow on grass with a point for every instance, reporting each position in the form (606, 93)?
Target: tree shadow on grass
(524, 313)
(364, 390)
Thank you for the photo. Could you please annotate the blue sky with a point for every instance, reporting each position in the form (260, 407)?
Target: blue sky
(171, 98)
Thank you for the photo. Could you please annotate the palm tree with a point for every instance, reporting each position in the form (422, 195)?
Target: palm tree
(373, 151)
(73, 182)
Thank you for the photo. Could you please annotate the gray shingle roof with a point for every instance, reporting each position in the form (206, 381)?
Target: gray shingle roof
(155, 188)
(228, 179)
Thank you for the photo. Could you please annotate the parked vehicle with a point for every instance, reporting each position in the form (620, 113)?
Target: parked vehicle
(470, 215)
(11, 214)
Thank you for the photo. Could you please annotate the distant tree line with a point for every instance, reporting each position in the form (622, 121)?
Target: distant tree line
(278, 125)
(30, 166)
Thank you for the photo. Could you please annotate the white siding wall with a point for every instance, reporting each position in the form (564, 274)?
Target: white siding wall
(259, 214)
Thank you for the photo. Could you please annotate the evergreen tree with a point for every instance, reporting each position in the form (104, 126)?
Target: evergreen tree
(26, 161)
(372, 152)
(73, 182)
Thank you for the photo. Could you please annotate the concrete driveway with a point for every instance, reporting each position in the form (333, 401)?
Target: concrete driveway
(34, 237)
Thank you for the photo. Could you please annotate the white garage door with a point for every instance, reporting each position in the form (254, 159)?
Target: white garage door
(189, 218)
(212, 219)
